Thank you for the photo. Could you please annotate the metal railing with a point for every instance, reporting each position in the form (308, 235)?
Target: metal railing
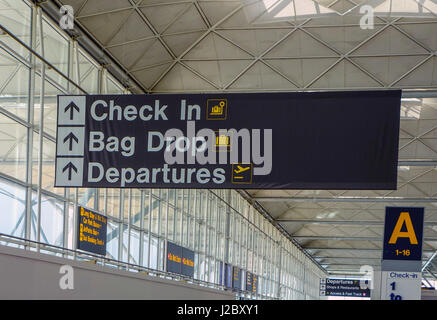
(104, 261)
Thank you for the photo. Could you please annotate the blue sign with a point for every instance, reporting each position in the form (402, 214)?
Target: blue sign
(345, 288)
(227, 279)
(187, 267)
(180, 260)
(174, 257)
(403, 233)
(91, 235)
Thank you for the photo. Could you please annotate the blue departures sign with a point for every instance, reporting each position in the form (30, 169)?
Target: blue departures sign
(403, 233)
(91, 235)
(344, 288)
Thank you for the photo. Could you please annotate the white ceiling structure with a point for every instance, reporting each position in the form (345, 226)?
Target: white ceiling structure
(171, 46)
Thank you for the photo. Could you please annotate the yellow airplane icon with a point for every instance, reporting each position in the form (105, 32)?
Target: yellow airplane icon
(240, 169)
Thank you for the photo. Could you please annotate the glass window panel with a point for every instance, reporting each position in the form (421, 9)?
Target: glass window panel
(231, 255)
(12, 202)
(56, 51)
(156, 192)
(145, 249)
(89, 73)
(185, 228)
(48, 164)
(191, 207)
(134, 247)
(52, 219)
(112, 237)
(191, 233)
(146, 196)
(201, 241)
(153, 253)
(186, 200)
(86, 197)
(171, 224)
(136, 207)
(203, 206)
(50, 105)
(14, 85)
(163, 218)
(211, 269)
(101, 200)
(13, 148)
(16, 17)
(179, 198)
(212, 242)
(113, 202)
(222, 220)
(125, 207)
(112, 87)
(125, 243)
(161, 254)
(156, 207)
(70, 223)
(212, 211)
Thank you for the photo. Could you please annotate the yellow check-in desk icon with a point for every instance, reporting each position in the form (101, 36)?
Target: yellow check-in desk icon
(216, 109)
(242, 173)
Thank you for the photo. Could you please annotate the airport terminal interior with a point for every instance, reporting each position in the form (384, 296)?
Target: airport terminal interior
(255, 243)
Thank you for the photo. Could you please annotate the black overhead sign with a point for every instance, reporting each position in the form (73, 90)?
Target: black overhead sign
(324, 140)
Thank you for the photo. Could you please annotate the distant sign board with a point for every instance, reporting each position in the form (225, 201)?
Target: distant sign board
(255, 140)
(174, 258)
(187, 267)
(248, 281)
(226, 270)
(180, 260)
(251, 282)
(403, 233)
(345, 288)
(236, 278)
(254, 283)
(91, 235)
